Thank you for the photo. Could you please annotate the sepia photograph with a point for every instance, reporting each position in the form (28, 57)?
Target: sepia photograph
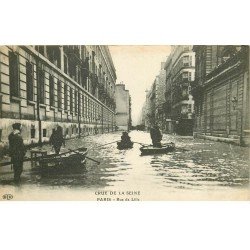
(105, 103)
(124, 122)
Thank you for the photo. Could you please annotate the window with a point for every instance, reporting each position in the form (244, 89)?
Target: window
(87, 107)
(185, 75)
(65, 64)
(186, 61)
(53, 54)
(76, 101)
(14, 74)
(59, 94)
(40, 49)
(32, 133)
(83, 106)
(44, 132)
(93, 62)
(30, 81)
(41, 86)
(79, 80)
(189, 76)
(190, 61)
(51, 91)
(79, 104)
(189, 107)
(71, 99)
(90, 109)
(65, 96)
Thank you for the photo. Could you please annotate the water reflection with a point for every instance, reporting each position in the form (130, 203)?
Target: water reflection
(196, 164)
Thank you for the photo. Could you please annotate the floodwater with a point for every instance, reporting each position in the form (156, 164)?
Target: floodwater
(196, 167)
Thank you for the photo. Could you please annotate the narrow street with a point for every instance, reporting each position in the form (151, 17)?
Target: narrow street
(199, 166)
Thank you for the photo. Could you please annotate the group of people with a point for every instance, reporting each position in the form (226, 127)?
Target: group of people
(17, 149)
(155, 135)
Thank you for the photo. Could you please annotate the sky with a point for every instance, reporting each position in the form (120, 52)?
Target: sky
(137, 67)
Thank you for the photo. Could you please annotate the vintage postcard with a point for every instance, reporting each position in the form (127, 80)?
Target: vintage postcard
(124, 123)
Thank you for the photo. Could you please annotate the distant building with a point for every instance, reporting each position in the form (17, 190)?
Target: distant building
(160, 86)
(179, 106)
(150, 111)
(169, 123)
(123, 107)
(141, 121)
(45, 86)
(221, 93)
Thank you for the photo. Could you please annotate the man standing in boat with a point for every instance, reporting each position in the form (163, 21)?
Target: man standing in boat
(156, 136)
(17, 151)
(57, 140)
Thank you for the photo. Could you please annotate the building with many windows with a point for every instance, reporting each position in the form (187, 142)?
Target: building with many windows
(160, 85)
(152, 112)
(150, 107)
(123, 107)
(179, 106)
(45, 86)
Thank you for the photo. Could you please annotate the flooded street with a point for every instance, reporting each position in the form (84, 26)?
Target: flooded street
(196, 166)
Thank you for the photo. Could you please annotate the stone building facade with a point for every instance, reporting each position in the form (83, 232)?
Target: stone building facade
(221, 93)
(169, 123)
(123, 107)
(179, 106)
(45, 86)
(160, 85)
(150, 107)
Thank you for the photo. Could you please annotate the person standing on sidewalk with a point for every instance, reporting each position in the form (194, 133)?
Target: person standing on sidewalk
(17, 151)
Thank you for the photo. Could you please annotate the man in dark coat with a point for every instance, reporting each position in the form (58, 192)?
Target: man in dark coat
(125, 139)
(156, 136)
(57, 140)
(17, 151)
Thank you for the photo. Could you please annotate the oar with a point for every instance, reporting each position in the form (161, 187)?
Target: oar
(93, 160)
(98, 162)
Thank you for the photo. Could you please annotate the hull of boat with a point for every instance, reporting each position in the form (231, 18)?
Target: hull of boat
(121, 146)
(73, 158)
(150, 150)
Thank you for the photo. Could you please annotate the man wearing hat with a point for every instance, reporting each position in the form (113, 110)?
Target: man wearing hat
(17, 151)
(156, 136)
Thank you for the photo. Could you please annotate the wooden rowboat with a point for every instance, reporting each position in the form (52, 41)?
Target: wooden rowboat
(72, 158)
(150, 150)
(121, 145)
